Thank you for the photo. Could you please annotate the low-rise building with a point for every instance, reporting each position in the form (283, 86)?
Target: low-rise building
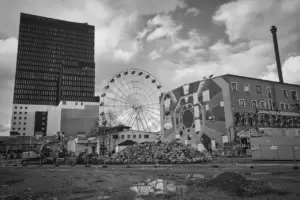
(221, 107)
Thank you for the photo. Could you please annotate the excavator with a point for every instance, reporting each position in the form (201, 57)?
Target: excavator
(44, 154)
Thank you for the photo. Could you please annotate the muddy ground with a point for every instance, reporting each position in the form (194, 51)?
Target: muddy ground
(139, 182)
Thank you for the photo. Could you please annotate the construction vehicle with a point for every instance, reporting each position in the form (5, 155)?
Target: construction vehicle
(45, 155)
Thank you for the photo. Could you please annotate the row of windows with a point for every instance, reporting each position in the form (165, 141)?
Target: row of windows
(34, 82)
(28, 38)
(267, 104)
(134, 137)
(81, 72)
(82, 84)
(48, 30)
(35, 87)
(33, 73)
(15, 113)
(36, 76)
(35, 102)
(47, 47)
(51, 49)
(20, 118)
(35, 37)
(20, 123)
(72, 98)
(79, 78)
(84, 89)
(35, 92)
(34, 51)
(49, 60)
(27, 60)
(294, 94)
(34, 97)
(21, 107)
(38, 68)
(73, 93)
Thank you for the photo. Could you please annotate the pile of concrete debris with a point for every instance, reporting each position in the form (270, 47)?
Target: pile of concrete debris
(150, 152)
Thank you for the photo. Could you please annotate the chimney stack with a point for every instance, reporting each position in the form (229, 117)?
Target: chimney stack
(279, 70)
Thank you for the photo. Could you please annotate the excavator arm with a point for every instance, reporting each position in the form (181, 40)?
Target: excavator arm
(57, 138)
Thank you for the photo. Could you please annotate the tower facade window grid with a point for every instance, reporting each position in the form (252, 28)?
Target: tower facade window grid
(55, 61)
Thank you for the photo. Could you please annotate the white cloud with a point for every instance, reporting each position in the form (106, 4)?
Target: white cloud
(290, 71)
(251, 19)
(160, 27)
(192, 11)
(155, 55)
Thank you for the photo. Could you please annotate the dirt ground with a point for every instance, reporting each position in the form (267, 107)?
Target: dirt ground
(138, 182)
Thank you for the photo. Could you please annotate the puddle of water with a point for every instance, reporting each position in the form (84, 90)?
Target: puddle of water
(156, 187)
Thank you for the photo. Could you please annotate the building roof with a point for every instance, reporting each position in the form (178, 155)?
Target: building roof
(258, 79)
(127, 143)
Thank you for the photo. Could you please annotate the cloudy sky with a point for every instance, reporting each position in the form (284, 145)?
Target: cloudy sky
(179, 41)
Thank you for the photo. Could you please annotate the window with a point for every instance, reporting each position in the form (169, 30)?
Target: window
(122, 137)
(258, 89)
(294, 95)
(25, 107)
(15, 113)
(128, 136)
(146, 136)
(246, 88)
(285, 93)
(269, 92)
(234, 86)
(134, 136)
(286, 106)
(25, 113)
(140, 136)
(292, 107)
(262, 104)
(242, 102)
(254, 103)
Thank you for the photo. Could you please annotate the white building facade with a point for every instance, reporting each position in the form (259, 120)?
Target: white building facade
(69, 117)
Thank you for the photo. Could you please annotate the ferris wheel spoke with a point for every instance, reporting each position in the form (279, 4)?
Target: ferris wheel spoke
(154, 121)
(143, 115)
(142, 121)
(126, 114)
(121, 91)
(151, 104)
(137, 122)
(115, 106)
(128, 84)
(117, 100)
(115, 93)
(149, 110)
(130, 119)
(148, 114)
(146, 100)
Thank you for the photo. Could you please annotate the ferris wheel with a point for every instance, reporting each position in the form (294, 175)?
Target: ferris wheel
(131, 98)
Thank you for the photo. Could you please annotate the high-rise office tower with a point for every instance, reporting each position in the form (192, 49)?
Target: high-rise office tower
(55, 65)
(55, 61)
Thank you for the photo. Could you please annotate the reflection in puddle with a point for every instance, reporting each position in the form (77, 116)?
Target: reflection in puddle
(158, 187)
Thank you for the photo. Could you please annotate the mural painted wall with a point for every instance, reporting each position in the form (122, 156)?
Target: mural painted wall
(194, 113)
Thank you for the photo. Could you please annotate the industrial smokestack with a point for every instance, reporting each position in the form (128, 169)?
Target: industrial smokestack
(279, 70)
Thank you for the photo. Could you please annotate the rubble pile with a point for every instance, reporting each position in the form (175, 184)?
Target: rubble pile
(236, 184)
(149, 152)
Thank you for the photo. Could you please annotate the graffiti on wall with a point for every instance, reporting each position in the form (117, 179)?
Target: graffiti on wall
(266, 120)
(193, 110)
